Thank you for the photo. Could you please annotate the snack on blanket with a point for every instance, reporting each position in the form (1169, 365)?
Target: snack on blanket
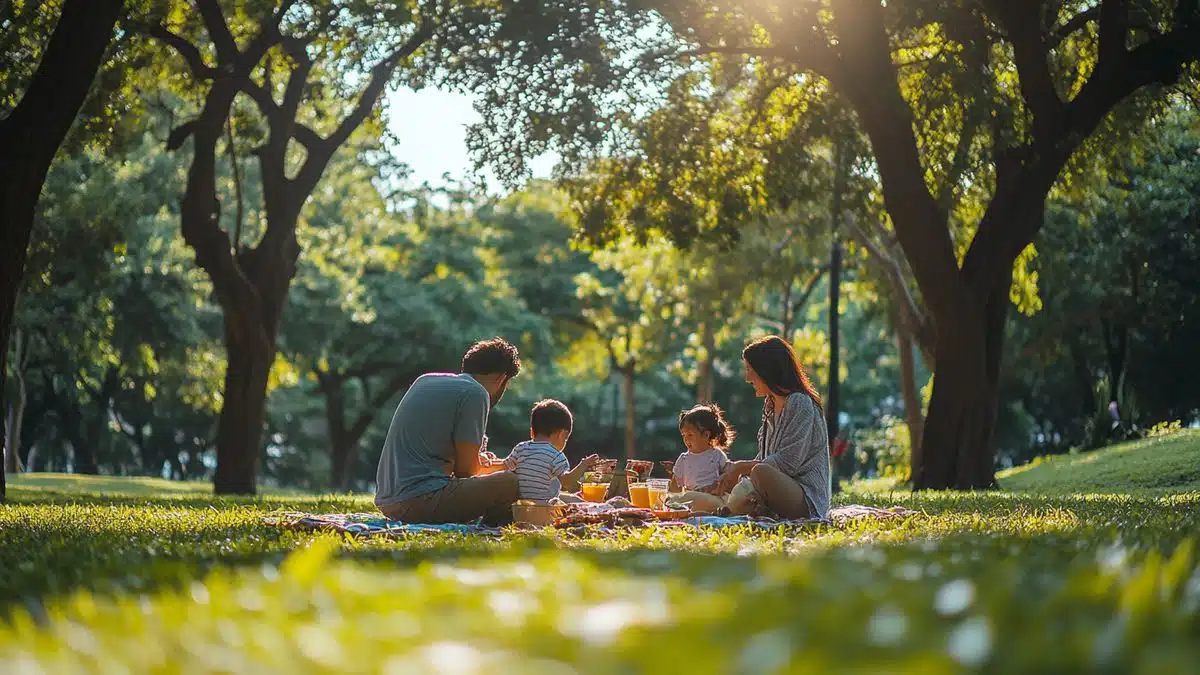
(615, 517)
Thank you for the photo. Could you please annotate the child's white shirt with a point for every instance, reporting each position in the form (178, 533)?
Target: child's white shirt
(694, 470)
(538, 466)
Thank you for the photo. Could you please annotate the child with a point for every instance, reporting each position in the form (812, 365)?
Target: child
(706, 435)
(539, 462)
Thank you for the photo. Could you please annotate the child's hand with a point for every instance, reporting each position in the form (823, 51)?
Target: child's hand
(589, 462)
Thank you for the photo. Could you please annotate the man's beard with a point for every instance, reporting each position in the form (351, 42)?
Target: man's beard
(495, 398)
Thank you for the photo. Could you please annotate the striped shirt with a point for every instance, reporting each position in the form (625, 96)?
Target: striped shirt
(795, 441)
(538, 466)
(695, 470)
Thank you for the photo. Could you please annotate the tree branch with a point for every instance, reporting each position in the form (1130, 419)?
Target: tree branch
(390, 388)
(1073, 25)
(1002, 236)
(915, 320)
(293, 91)
(1114, 28)
(180, 134)
(1030, 52)
(887, 118)
(191, 54)
(319, 153)
(218, 30)
(809, 287)
(240, 206)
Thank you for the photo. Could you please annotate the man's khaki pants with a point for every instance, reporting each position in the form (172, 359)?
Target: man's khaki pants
(461, 501)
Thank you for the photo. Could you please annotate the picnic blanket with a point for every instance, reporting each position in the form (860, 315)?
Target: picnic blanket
(374, 524)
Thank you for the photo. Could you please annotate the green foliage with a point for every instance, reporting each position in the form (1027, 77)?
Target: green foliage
(983, 582)
(885, 448)
(1165, 429)
(1115, 269)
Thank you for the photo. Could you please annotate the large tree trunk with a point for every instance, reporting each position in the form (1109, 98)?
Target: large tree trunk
(239, 430)
(32, 133)
(956, 442)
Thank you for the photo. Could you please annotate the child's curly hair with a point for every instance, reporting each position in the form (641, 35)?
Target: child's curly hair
(709, 417)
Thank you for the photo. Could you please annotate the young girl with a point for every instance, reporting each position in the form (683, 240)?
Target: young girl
(706, 435)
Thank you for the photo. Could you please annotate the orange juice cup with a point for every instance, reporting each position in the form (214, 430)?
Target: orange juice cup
(639, 494)
(594, 492)
(657, 491)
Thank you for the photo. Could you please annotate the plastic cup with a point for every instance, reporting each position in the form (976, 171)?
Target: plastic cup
(656, 490)
(639, 494)
(594, 492)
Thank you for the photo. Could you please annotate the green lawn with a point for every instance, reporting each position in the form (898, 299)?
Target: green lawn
(74, 484)
(1082, 578)
(1164, 464)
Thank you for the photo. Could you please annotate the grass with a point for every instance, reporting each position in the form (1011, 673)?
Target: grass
(80, 484)
(1152, 466)
(138, 580)
(1164, 464)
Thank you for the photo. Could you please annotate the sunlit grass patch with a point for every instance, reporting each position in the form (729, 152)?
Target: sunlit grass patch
(1162, 464)
(915, 608)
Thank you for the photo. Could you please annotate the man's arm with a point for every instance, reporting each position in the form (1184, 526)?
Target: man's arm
(469, 425)
(466, 460)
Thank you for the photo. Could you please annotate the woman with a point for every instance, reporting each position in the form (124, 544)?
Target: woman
(791, 471)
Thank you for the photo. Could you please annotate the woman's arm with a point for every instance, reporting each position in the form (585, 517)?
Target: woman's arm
(733, 473)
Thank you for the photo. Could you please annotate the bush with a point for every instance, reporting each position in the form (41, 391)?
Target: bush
(885, 449)
(1165, 429)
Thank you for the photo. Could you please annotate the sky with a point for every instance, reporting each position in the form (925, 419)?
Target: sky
(431, 126)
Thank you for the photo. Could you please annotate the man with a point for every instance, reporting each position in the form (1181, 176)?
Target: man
(432, 469)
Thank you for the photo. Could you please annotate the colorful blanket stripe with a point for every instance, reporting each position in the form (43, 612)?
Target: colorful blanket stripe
(373, 525)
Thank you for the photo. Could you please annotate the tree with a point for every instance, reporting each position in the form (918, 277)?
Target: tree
(315, 74)
(1045, 76)
(251, 281)
(384, 296)
(113, 324)
(1115, 277)
(631, 317)
(32, 132)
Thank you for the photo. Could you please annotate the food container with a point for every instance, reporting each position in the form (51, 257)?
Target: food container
(536, 514)
(642, 467)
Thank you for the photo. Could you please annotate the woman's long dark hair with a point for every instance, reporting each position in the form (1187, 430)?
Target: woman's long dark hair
(774, 360)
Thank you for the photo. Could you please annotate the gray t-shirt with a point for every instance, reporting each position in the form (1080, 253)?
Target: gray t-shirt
(437, 411)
